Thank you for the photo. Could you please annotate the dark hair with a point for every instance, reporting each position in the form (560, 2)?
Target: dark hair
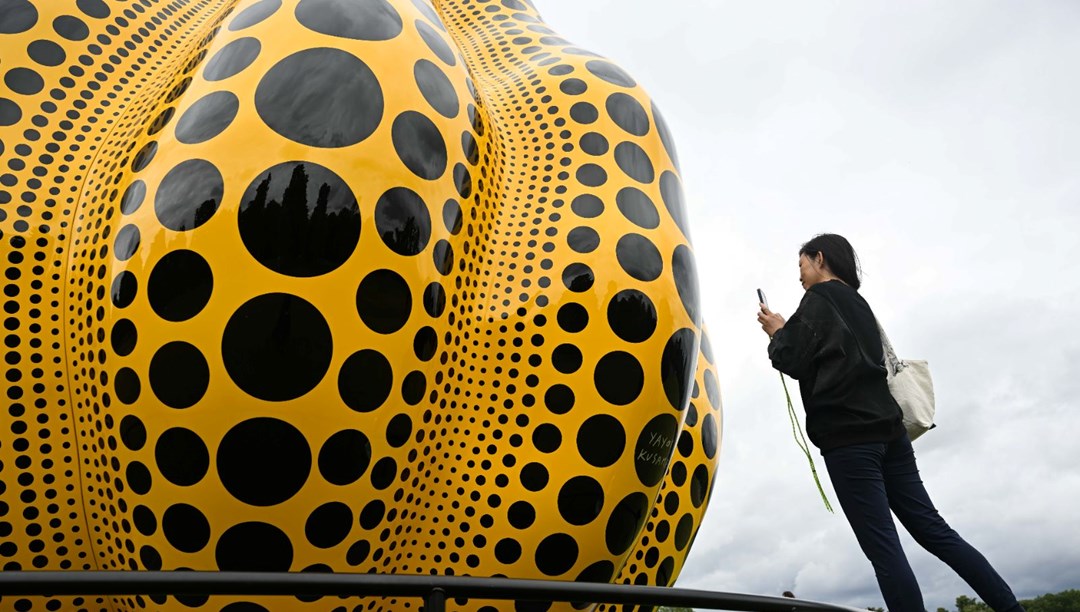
(839, 257)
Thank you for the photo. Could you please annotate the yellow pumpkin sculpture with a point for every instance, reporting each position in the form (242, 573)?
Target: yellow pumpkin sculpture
(340, 285)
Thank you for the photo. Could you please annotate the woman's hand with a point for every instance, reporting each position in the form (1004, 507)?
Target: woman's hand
(770, 321)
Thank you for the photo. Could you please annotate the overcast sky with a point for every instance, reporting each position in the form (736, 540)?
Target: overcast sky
(943, 140)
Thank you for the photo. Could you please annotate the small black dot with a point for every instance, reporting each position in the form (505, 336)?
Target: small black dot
(534, 477)
(677, 367)
(592, 175)
(583, 239)
(127, 242)
(594, 143)
(507, 551)
(583, 112)
(133, 197)
(559, 399)
(573, 87)
(566, 358)
(685, 273)
(132, 432)
(521, 515)
(398, 430)
(547, 438)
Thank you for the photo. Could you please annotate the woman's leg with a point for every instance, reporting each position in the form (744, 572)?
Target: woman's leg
(858, 478)
(912, 505)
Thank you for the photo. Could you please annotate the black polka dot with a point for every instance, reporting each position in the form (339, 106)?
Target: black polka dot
(263, 461)
(180, 285)
(638, 208)
(470, 148)
(127, 385)
(46, 53)
(710, 436)
(345, 457)
(24, 81)
(559, 399)
(677, 367)
(413, 387)
(93, 8)
(584, 113)
(566, 358)
(254, 14)
(451, 214)
(601, 440)
(384, 301)
(356, 554)
(185, 528)
(328, 525)
(244, 606)
(619, 378)
(685, 273)
(144, 520)
(372, 514)
(639, 257)
(521, 515)
(425, 343)
(127, 242)
(628, 114)
(556, 554)
(10, 113)
(507, 551)
(181, 456)
(208, 117)
(321, 98)
(436, 43)
(583, 239)
(189, 195)
(594, 143)
(150, 558)
(443, 257)
(123, 337)
(610, 73)
(254, 547)
(573, 87)
(19, 16)
(625, 522)
(403, 221)
(699, 486)
(654, 447)
(133, 197)
(672, 194)
(71, 28)
(232, 59)
(632, 315)
(534, 476)
(365, 380)
(683, 531)
(547, 438)
(462, 180)
(635, 162)
(419, 145)
(179, 374)
(573, 317)
(384, 472)
(276, 347)
(436, 88)
(434, 300)
(144, 156)
(580, 500)
(398, 430)
(368, 20)
(578, 277)
(299, 219)
(138, 478)
(132, 432)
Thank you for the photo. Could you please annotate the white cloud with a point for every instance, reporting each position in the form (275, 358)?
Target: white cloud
(944, 141)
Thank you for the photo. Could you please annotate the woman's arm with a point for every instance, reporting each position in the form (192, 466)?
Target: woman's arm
(794, 345)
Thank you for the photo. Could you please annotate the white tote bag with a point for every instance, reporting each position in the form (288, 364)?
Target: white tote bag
(910, 383)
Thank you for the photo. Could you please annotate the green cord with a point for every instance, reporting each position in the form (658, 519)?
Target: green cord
(800, 439)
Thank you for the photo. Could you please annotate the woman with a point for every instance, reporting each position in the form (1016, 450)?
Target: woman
(832, 346)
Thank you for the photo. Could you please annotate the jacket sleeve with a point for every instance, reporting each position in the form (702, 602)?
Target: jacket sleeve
(795, 345)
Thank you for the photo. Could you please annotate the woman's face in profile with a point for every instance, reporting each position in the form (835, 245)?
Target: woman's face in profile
(810, 273)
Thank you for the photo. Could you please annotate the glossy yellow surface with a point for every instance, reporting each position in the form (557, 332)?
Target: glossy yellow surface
(351, 286)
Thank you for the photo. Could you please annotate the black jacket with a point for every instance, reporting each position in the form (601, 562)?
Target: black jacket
(843, 386)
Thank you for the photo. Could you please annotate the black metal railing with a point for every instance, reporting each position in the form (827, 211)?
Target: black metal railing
(433, 590)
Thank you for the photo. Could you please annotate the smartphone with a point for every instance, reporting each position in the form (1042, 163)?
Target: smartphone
(761, 298)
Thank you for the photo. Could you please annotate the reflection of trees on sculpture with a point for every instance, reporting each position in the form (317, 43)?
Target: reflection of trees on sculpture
(293, 235)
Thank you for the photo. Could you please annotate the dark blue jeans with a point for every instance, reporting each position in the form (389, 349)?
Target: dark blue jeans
(871, 479)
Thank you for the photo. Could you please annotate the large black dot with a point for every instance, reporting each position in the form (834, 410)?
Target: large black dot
(610, 73)
(132, 432)
(232, 59)
(144, 520)
(254, 14)
(672, 194)
(572, 317)
(625, 522)
(179, 374)
(93, 8)
(587, 205)
(123, 337)
(639, 257)
(384, 473)
(126, 242)
(372, 514)
(709, 435)
(677, 367)
(367, 20)
(534, 476)
(601, 440)
(398, 430)
(180, 285)
(580, 500)
(559, 399)
(181, 456)
(436, 88)
(699, 486)
(583, 112)
(328, 525)
(566, 358)
(594, 143)
(138, 477)
(635, 162)
(556, 554)
(133, 197)
(637, 207)
(583, 239)
(24, 81)
(573, 87)
(578, 277)
(592, 175)
(547, 438)
(619, 378)
(254, 547)
(71, 28)
(434, 299)
(124, 288)
(665, 136)
(685, 273)
(18, 16)
(208, 117)
(189, 195)
(436, 43)
(507, 551)
(127, 385)
(299, 218)
(46, 52)
(419, 145)
(263, 461)
(276, 347)
(10, 113)
(628, 113)
(384, 301)
(345, 457)
(403, 221)
(321, 98)
(365, 380)
(654, 447)
(632, 315)
(186, 528)
(521, 515)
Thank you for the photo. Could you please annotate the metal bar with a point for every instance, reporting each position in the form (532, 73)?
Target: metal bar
(435, 601)
(358, 585)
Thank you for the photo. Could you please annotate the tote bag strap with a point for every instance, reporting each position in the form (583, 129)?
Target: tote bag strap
(892, 362)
